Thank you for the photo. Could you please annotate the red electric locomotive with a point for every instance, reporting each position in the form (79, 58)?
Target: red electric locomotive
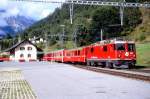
(112, 53)
(108, 53)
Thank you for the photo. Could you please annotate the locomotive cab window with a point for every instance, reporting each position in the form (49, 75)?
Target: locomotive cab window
(105, 48)
(131, 47)
(120, 46)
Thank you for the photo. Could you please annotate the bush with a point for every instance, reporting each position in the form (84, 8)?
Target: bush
(142, 37)
(5, 56)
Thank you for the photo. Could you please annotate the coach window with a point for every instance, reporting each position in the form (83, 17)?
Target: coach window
(68, 54)
(78, 52)
(92, 50)
(105, 48)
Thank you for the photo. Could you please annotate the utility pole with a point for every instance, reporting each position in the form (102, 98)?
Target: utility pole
(46, 42)
(101, 34)
(71, 13)
(1, 46)
(19, 38)
(75, 34)
(75, 37)
(121, 12)
(63, 35)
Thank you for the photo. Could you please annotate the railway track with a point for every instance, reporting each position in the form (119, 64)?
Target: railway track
(124, 73)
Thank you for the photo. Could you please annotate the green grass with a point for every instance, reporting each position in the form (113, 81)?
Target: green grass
(143, 54)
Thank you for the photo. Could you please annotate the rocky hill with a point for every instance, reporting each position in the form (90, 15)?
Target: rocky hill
(15, 24)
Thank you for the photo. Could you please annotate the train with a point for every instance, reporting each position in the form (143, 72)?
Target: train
(114, 53)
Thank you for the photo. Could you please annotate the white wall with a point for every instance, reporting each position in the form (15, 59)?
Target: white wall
(25, 52)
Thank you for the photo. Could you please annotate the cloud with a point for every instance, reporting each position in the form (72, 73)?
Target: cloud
(3, 4)
(13, 11)
(34, 10)
(45, 13)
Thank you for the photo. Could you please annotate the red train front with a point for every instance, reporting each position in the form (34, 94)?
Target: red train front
(108, 53)
(112, 53)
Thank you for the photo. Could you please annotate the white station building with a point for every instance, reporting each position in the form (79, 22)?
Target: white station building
(24, 51)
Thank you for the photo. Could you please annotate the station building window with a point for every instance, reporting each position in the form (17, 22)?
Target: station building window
(29, 48)
(21, 55)
(22, 48)
(29, 55)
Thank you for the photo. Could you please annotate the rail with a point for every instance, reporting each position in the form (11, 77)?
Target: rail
(123, 73)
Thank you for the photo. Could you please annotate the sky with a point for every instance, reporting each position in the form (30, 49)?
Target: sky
(33, 10)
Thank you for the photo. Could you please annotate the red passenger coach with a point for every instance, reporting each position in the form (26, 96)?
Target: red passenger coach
(57, 56)
(75, 55)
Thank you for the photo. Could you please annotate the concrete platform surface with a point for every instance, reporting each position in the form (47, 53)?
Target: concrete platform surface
(62, 81)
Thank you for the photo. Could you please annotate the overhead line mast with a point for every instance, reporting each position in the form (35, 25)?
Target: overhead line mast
(122, 5)
(125, 4)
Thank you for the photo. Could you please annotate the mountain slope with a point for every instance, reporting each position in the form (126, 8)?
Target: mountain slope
(87, 23)
(15, 24)
(142, 31)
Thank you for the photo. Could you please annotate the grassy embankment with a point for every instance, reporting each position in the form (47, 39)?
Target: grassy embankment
(141, 34)
(143, 54)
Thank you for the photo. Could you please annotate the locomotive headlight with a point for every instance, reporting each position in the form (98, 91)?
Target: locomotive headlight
(134, 56)
(127, 54)
(119, 55)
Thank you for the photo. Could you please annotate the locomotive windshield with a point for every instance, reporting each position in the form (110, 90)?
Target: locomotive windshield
(120, 46)
(131, 47)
